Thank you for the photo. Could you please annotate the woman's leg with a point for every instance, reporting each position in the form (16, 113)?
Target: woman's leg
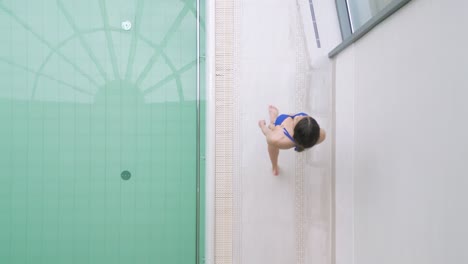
(274, 153)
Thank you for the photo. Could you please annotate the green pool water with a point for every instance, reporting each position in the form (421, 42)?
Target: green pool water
(101, 132)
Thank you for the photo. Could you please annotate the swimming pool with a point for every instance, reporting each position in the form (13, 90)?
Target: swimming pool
(101, 111)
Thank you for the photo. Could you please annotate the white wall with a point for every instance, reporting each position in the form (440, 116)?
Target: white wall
(401, 147)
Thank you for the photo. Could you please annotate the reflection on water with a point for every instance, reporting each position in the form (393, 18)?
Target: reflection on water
(157, 58)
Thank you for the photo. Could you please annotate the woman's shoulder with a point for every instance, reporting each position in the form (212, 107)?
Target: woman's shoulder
(322, 136)
(278, 139)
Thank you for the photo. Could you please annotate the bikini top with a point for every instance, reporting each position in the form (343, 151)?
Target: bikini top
(280, 119)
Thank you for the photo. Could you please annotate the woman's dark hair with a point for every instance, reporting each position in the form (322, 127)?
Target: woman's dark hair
(306, 133)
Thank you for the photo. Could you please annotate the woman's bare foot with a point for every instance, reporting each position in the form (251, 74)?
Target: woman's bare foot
(261, 123)
(275, 171)
(273, 111)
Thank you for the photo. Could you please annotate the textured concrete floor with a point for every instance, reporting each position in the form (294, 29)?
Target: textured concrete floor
(283, 219)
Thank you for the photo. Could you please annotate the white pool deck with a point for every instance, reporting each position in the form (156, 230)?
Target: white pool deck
(284, 219)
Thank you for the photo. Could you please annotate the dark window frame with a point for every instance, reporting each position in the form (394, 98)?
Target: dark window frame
(348, 36)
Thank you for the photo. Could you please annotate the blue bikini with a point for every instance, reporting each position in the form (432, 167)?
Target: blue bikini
(280, 119)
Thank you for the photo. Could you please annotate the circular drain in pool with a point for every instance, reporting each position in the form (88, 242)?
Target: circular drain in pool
(125, 175)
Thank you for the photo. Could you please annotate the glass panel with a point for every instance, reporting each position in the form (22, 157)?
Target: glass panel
(98, 106)
(363, 10)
